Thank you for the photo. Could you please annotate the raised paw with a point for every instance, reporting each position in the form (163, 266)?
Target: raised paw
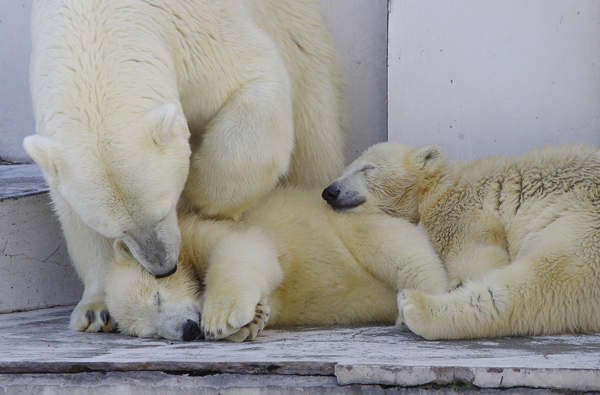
(91, 317)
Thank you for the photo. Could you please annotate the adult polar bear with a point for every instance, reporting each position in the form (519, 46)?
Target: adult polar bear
(291, 255)
(521, 235)
(125, 91)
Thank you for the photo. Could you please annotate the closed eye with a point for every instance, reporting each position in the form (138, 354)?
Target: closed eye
(367, 168)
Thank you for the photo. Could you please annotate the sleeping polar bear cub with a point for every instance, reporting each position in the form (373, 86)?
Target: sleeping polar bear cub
(289, 259)
(520, 237)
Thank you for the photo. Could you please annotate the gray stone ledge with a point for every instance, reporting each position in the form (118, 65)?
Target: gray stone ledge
(378, 357)
(21, 180)
(144, 383)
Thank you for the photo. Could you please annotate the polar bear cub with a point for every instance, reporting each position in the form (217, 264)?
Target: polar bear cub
(137, 101)
(289, 258)
(520, 236)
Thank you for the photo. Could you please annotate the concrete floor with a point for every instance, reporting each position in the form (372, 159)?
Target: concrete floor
(38, 354)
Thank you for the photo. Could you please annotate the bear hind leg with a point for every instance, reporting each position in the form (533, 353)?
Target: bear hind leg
(550, 291)
(318, 156)
(244, 151)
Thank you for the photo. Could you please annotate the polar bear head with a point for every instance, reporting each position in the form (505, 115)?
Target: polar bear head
(122, 181)
(388, 177)
(145, 306)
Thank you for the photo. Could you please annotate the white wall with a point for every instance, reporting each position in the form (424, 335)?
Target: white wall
(359, 30)
(16, 113)
(496, 76)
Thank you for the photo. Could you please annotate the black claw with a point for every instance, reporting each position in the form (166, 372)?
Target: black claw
(105, 317)
(258, 316)
(191, 331)
(90, 316)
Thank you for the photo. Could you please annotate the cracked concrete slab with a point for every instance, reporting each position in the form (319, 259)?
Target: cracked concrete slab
(38, 342)
(36, 270)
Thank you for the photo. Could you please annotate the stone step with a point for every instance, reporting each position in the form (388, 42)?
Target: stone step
(35, 267)
(38, 352)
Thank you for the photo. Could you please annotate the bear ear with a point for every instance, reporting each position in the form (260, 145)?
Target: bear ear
(161, 122)
(428, 157)
(122, 251)
(44, 152)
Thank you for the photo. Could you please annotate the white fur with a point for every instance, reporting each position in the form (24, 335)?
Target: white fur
(290, 259)
(519, 236)
(136, 101)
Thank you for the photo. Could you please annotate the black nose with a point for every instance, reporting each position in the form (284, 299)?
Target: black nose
(331, 193)
(191, 331)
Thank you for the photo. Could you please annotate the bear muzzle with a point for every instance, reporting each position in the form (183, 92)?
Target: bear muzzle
(340, 199)
(157, 255)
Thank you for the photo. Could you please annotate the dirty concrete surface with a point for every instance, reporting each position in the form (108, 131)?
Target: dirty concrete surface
(344, 357)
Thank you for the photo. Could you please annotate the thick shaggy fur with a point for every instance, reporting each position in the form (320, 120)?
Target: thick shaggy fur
(520, 236)
(135, 99)
(290, 254)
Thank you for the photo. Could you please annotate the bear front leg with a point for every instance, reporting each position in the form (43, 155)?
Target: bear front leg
(397, 252)
(89, 252)
(244, 150)
(243, 270)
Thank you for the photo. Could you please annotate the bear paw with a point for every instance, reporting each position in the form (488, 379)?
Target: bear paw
(252, 330)
(91, 317)
(220, 322)
(413, 308)
(400, 323)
